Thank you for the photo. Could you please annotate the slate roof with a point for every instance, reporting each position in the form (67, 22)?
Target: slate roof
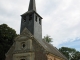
(50, 48)
(32, 5)
(29, 12)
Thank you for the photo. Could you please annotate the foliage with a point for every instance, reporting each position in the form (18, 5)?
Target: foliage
(47, 38)
(70, 53)
(76, 56)
(7, 35)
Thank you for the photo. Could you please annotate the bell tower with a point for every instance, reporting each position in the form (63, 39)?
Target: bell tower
(32, 21)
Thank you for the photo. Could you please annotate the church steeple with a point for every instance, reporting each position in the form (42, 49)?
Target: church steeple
(32, 21)
(32, 5)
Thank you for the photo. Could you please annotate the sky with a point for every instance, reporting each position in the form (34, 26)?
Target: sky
(61, 19)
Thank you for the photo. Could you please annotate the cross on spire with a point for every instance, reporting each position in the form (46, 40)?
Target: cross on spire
(32, 5)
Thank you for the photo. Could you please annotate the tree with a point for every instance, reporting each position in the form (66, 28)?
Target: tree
(7, 35)
(76, 56)
(47, 38)
(70, 53)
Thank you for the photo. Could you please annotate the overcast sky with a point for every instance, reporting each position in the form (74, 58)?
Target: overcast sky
(61, 19)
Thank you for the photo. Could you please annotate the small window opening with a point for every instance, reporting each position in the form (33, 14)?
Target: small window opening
(39, 21)
(30, 17)
(22, 59)
(24, 18)
(23, 45)
(36, 18)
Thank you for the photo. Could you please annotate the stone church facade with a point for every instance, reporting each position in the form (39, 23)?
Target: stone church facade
(29, 44)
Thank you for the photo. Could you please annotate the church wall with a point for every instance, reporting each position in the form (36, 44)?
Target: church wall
(28, 46)
(53, 57)
(49, 57)
(26, 56)
(23, 53)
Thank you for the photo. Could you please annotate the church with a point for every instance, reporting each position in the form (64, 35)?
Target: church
(29, 44)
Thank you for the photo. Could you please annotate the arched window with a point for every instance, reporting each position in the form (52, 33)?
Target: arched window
(30, 17)
(39, 21)
(24, 18)
(23, 45)
(36, 18)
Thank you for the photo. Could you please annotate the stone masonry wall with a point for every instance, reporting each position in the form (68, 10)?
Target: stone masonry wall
(52, 57)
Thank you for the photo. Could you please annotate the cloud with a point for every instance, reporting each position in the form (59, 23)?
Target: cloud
(61, 18)
(72, 44)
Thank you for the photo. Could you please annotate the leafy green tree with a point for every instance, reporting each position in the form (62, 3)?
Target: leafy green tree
(7, 35)
(47, 38)
(70, 53)
(76, 56)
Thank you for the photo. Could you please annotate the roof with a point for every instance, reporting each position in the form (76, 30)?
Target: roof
(32, 5)
(31, 11)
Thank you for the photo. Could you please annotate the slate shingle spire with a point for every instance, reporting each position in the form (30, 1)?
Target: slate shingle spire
(32, 5)
(32, 21)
